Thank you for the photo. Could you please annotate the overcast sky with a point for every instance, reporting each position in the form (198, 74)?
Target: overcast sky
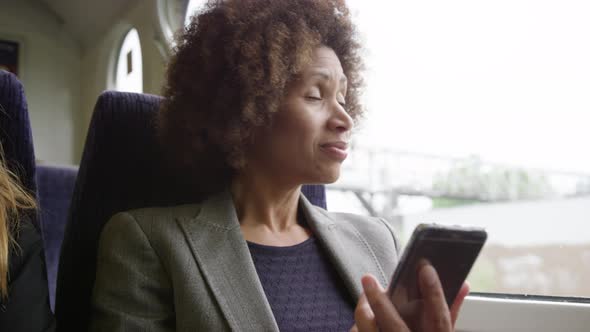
(506, 80)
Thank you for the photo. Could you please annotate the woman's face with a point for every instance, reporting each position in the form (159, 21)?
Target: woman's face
(309, 136)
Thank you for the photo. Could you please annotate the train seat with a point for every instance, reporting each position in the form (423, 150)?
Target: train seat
(15, 133)
(122, 168)
(55, 186)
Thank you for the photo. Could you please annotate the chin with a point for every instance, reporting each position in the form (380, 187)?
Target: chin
(329, 177)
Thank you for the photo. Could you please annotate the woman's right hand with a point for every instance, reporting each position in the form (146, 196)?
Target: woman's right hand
(375, 312)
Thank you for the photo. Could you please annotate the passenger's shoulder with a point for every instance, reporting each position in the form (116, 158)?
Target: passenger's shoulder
(371, 228)
(29, 244)
(152, 219)
(360, 222)
(165, 212)
(27, 234)
(356, 219)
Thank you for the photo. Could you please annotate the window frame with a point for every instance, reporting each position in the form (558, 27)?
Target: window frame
(171, 15)
(501, 312)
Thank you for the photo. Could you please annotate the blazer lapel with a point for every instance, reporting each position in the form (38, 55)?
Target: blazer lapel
(223, 257)
(346, 248)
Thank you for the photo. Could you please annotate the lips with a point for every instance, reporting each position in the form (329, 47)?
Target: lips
(339, 145)
(336, 150)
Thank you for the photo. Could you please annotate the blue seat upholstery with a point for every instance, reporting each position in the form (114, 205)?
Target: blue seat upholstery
(15, 132)
(55, 186)
(122, 168)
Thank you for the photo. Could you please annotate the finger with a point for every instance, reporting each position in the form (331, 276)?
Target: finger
(386, 316)
(456, 306)
(354, 328)
(435, 306)
(363, 316)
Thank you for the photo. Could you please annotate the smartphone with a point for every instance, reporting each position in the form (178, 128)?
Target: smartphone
(451, 250)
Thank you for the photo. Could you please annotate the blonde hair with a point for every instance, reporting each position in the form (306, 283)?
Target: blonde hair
(13, 200)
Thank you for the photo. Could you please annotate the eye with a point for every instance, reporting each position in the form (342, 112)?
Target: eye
(313, 93)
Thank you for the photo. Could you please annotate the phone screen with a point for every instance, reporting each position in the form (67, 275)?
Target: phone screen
(451, 251)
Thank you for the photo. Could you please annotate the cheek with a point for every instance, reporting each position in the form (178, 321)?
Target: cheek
(295, 142)
(298, 128)
(303, 139)
(305, 126)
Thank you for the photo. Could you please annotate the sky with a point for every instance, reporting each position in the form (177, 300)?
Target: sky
(508, 81)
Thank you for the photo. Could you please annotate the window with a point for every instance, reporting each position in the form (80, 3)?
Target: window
(193, 6)
(129, 72)
(477, 114)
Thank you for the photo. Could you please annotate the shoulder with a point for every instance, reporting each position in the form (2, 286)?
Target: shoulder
(27, 234)
(27, 307)
(369, 244)
(155, 228)
(151, 214)
(151, 219)
(373, 229)
(29, 243)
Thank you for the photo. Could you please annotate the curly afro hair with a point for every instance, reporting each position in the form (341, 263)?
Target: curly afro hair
(231, 66)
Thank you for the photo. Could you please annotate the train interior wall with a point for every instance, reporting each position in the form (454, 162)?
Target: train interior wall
(63, 75)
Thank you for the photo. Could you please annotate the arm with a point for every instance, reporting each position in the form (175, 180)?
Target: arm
(27, 306)
(132, 291)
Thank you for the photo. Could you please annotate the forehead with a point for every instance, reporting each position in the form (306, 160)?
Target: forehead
(324, 62)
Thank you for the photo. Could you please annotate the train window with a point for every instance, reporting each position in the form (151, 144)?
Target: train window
(477, 114)
(129, 72)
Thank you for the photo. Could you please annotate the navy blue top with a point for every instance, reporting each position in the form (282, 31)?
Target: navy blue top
(304, 290)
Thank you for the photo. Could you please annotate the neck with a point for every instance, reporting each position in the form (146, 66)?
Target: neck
(260, 201)
(266, 210)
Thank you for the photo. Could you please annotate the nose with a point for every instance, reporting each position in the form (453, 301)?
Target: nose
(340, 120)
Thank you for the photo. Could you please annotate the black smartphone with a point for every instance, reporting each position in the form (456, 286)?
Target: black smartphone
(451, 250)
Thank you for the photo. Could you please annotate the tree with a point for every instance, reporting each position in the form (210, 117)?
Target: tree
(471, 179)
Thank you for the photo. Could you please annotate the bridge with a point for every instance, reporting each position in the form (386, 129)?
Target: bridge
(378, 177)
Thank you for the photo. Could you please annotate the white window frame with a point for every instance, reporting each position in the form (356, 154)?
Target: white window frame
(170, 13)
(483, 313)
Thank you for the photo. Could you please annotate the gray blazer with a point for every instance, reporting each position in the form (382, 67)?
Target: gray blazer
(188, 268)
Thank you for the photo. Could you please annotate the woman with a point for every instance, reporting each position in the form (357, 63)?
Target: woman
(24, 298)
(261, 97)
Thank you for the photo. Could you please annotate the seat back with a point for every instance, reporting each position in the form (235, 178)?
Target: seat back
(55, 186)
(16, 137)
(122, 168)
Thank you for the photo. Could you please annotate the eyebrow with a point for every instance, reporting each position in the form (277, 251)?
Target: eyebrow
(327, 77)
